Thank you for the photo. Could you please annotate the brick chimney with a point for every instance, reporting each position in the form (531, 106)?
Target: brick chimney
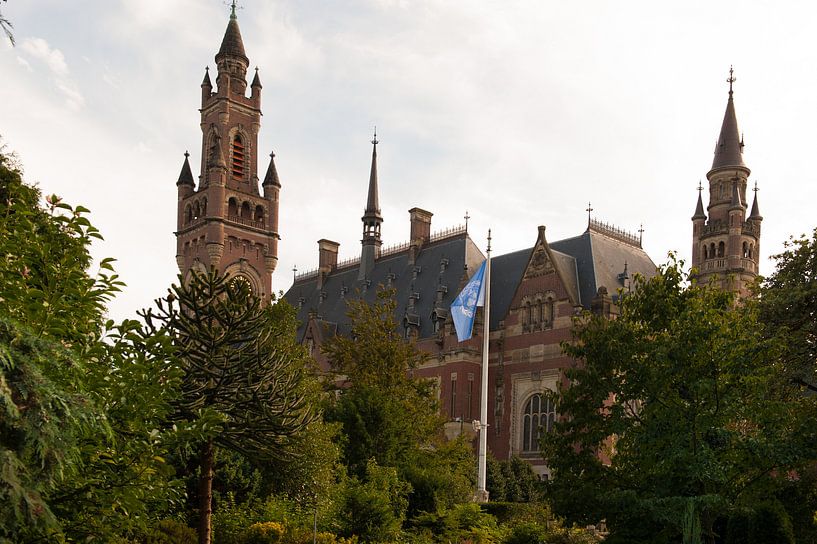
(420, 231)
(327, 259)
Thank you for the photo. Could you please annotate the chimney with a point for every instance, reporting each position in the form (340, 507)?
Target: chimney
(327, 259)
(420, 231)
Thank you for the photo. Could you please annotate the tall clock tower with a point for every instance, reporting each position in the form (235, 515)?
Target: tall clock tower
(226, 222)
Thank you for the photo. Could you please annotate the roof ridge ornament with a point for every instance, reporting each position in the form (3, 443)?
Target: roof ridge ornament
(731, 79)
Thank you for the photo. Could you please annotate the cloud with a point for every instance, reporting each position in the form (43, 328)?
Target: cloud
(39, 50)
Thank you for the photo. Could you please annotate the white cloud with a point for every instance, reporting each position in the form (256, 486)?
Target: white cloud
(38, 49)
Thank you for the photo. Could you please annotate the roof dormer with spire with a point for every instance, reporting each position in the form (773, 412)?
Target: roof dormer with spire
(372, 219)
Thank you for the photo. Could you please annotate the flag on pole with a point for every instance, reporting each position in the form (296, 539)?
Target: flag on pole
(464, 307)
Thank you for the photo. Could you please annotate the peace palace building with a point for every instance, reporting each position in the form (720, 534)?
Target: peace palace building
(225, 220)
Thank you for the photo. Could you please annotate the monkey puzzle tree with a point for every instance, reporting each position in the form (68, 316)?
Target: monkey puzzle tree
(241, 370)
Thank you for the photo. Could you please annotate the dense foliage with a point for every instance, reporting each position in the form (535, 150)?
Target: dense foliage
(677, 413)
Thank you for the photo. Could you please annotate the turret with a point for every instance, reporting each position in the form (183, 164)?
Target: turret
(231, 60)
(206, 87)
(725, 242)
(256, 87)
(372, 220)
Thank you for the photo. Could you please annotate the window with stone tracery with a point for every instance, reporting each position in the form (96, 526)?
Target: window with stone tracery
(537, 417)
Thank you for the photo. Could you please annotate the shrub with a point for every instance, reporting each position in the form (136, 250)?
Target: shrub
(527, 533)
(771, 525)
(170, 531)
(269, 532)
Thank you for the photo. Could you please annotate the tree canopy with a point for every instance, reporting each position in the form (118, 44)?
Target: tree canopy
(676, 413)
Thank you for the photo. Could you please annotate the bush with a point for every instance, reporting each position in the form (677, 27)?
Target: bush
(269, 532)
(170, 531)
(527, 533)
(771, 525)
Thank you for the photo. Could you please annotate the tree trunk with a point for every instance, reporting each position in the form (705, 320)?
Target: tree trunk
(206, 491)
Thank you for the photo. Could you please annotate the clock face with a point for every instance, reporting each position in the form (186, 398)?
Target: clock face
(241, 284)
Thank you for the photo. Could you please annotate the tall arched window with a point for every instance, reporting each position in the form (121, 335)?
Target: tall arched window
(745, 250)
(238, 157)
(547, 312)
(538, 416)
(528, 314)
(245, 210)
(751, 251)
(712, 250)
(259, 214)
(721, 249)
(232, 208)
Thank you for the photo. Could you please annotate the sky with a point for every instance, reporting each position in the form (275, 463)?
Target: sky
(518, 112)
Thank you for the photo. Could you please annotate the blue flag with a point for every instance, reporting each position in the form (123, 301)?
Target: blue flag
(464, 307)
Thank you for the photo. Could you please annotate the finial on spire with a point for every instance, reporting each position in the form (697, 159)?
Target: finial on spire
(232, 10)
(294, 272)
(466, 217)
(588, 210)
(755, 189)
(375, 141)
(187, 154)
(700, 187)
(640, 239)
(731, 79)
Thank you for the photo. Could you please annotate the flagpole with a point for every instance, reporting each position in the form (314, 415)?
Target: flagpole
(482, 493)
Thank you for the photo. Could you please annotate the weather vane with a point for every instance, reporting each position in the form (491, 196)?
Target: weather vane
(375, 140)
(755, 189)
(731, 79)
(233, 6)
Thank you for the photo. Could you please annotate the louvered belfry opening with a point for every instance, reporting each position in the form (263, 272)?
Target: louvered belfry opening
(238, 157)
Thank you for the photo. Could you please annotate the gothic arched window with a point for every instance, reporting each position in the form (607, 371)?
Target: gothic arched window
(547, 312)
(721, 249)
(751, 251)
(529, 313)
(538, 416)
(232, 208)
(237, 157)
(245, 210)
(712, 250)
(259, 214)
(188, 214)
(745, 250)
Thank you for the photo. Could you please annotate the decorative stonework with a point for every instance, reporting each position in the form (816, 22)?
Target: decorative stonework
(540, 263)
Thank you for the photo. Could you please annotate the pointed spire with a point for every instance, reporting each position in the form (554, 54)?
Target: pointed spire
(272, 173)
(256, 82)
(206, 81)
(755, 210)
(232, 44)
(729, 149)
(699, 208)
(373, 200)
(186, 175)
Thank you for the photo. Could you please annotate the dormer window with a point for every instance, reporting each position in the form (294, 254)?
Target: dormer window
(238, 157)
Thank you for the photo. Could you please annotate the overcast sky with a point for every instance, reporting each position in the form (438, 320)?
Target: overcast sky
(519, 112)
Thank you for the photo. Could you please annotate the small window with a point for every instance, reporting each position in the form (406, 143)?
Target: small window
(238, 157)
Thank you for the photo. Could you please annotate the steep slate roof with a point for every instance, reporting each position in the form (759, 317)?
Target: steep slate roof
(729, 149)
(600, 259)
(585, 262)
(458, 250)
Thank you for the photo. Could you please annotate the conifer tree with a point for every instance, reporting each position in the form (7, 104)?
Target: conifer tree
(240, 368)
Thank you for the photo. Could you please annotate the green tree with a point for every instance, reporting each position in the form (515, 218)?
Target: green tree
(240, 366)
(678, 401)
(81, 433)
(788, 306)
(389, 415)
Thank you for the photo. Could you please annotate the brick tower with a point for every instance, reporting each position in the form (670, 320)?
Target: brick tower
(226, 223)
(726, 244)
